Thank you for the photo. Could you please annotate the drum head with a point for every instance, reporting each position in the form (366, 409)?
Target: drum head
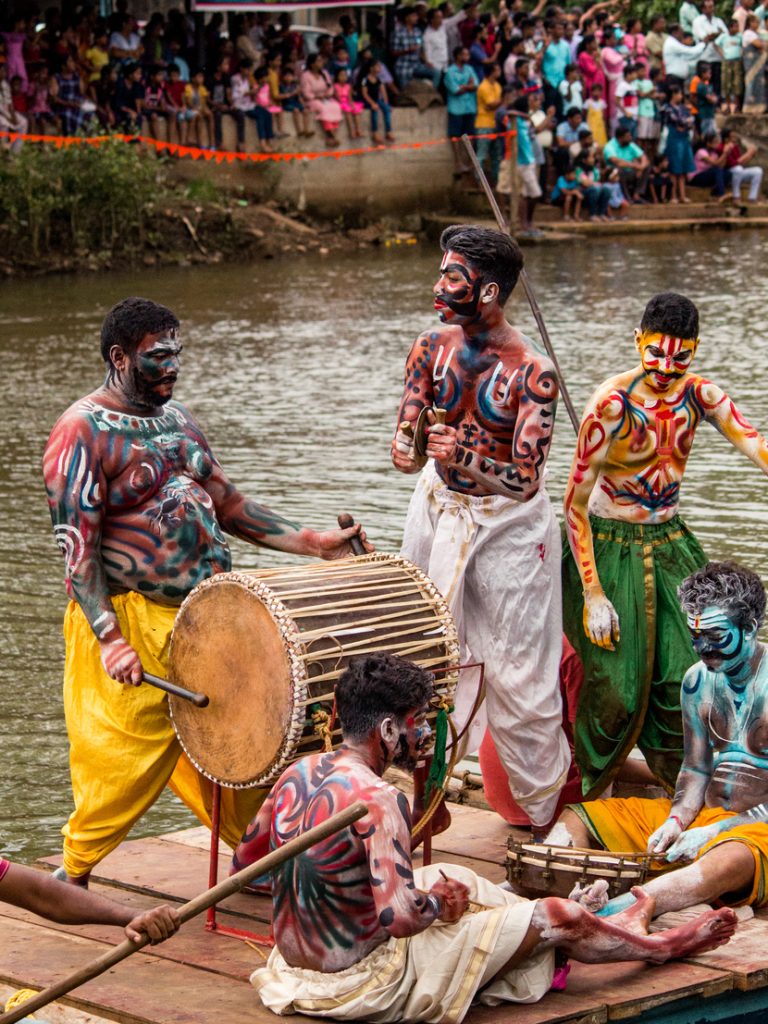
(227, 645)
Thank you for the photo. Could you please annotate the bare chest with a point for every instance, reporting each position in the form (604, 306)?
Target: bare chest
(479, 391)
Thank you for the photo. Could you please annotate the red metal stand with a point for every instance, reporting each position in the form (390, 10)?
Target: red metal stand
(211, 924)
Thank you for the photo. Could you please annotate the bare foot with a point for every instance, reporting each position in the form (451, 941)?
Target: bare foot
(638, 917)
(712, 929)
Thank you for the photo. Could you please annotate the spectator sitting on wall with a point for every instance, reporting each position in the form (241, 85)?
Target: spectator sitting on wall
(630, 162)
(738, 160)
(566, 134)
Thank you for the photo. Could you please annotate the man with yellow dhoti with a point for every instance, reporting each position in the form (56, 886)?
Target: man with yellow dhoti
(719, 815)
(140, 507)
(360, 935)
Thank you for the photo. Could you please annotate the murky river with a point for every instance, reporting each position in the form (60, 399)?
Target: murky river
(294, 369)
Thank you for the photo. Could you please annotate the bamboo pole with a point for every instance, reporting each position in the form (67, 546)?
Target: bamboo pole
(524, 280)
(196, 906)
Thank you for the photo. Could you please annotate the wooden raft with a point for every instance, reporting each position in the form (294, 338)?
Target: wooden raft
(197, 976)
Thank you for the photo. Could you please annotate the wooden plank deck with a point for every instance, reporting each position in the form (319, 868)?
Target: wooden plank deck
(198, 975)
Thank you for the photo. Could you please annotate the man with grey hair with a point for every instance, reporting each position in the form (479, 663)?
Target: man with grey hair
(719, 814)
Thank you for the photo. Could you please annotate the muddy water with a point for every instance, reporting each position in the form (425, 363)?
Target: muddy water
(294, 369)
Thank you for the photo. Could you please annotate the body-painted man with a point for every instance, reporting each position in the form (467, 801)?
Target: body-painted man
(480, 522)
(140, 508)
(629, 548)
(361, 935)
(719, 814)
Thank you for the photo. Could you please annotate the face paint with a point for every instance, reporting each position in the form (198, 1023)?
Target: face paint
(414, 742)
(457, 290)
(665, 359)
(720, 643)
(153, 369)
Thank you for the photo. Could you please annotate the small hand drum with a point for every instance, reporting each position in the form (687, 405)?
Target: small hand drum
(538, 869)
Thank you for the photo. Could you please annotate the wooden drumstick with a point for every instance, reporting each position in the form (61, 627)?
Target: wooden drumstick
(345, 520)
(200, 700)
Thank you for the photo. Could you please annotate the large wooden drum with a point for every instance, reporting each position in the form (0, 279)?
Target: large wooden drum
(267, 648)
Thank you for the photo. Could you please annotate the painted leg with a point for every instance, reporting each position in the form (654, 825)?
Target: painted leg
(728, 868)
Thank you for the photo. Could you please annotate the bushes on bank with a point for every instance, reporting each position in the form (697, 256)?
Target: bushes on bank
(80, 197)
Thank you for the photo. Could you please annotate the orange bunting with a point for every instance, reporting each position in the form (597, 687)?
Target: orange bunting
(220, 155)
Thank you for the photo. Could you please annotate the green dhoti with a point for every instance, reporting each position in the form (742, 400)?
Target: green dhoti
(631, 696)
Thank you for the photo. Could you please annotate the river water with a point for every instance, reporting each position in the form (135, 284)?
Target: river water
(294, 369)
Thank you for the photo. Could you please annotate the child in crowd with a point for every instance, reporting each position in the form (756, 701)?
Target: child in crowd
(274, 101)
(219, 98)
(154, 108)
(595, 108)
(196, 103)
(568, 193)
(97, 56)
(351, 108)
(732, 80)
(678, 150)
(618, 204)
(173, 88)
(373, 93)
(660, 181)
(571, 88)
(626, 99)
(19, 98)
(130, 98)
(706, 102)
(104, 95)
(290, 100)
(649, 96)
(596, 194)
(264, 110)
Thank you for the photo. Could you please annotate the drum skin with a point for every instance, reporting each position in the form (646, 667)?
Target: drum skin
(267, 648)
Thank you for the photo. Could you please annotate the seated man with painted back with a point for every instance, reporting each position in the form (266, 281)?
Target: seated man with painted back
(361, 935)
(719, 814)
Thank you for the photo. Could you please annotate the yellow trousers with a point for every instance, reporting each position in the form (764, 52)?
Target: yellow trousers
(628, 823)
(123, 750)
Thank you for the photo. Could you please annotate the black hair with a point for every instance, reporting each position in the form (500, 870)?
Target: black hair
(572, 112)
(670, 313)
(377, 686)
(130, 321)
(173, 67)
(457, 50)
(495, 256)
(738, 591)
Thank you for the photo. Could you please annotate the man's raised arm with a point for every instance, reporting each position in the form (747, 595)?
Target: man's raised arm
(723, 414)
(76, 488)
(603, 413)
(536, 391)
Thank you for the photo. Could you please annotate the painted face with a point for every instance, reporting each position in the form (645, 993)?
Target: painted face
(720, 643)
(153, 369)
(457, 291)
(665, 359)
(414, 741)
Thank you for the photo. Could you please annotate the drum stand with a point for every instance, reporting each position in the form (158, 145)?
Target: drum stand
(419, 786)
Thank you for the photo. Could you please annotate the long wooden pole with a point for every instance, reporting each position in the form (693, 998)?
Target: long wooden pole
(196, 906)
(524, 280)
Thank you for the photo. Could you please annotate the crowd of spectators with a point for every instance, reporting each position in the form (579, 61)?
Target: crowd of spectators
(609, 110)
(166, 78)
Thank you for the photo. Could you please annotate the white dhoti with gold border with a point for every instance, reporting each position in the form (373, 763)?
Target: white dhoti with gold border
(497, 563)
(432, 976)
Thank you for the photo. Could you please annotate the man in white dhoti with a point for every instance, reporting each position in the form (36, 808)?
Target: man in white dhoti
(360, 935)
(480, 523)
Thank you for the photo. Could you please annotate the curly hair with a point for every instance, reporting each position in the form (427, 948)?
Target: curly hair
(494, 255)
(738, 591)
(128, 322)
(378, 686)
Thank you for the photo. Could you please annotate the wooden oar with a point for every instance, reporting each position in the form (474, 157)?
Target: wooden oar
(196, 906)
(198, 699)
(524, 280)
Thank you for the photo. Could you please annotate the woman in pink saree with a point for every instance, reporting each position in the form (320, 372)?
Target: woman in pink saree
(613, 66)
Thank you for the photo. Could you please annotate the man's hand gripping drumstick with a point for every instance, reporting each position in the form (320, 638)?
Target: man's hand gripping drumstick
(441, 443)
